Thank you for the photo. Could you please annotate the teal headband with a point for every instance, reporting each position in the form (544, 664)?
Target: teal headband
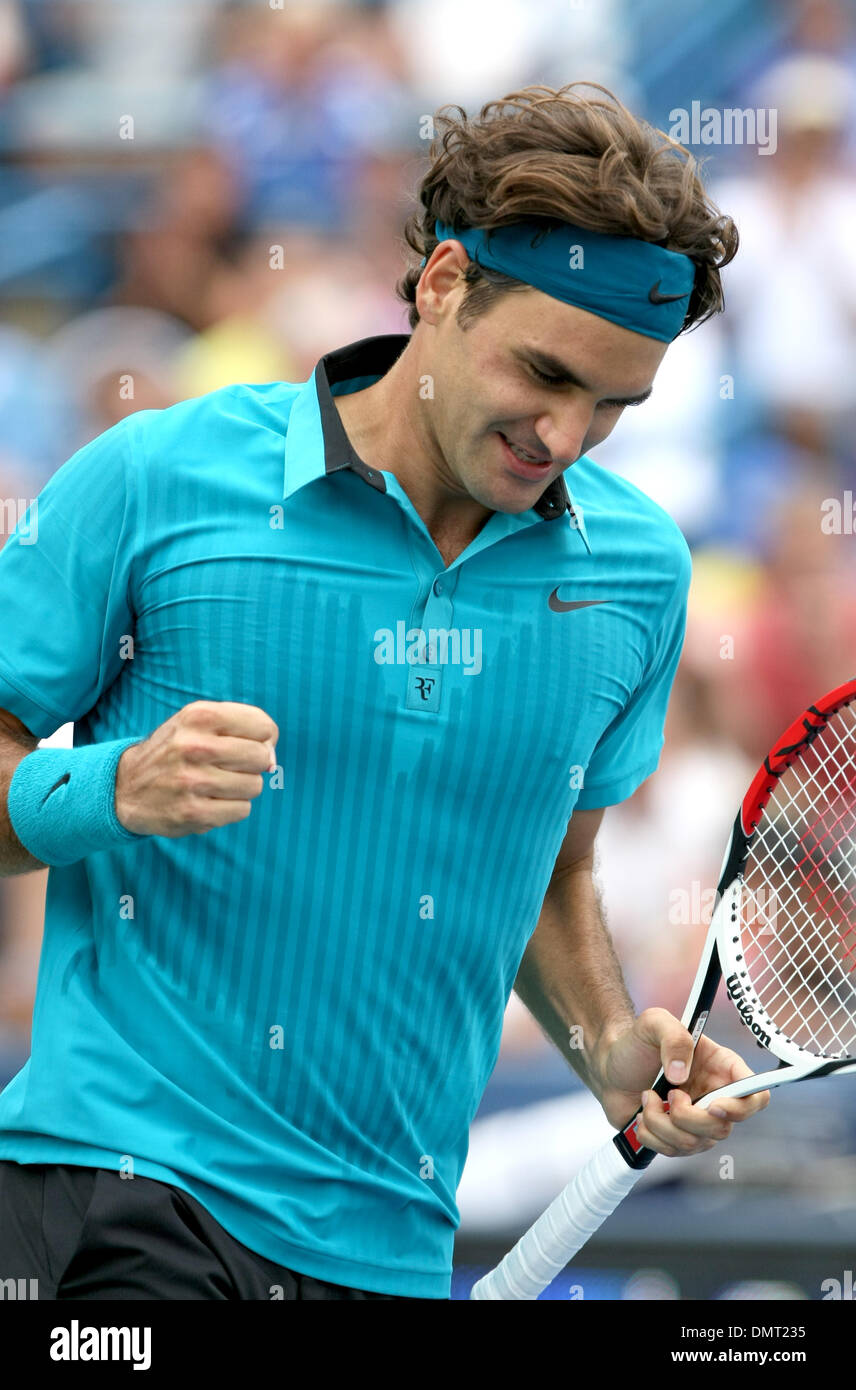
(630, 282)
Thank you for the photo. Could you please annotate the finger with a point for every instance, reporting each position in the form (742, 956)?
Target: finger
(657, 1131)
(241, 754)
(695, 1120)
(198, 781)
(208, 813)
(229, 786)
(663, 1031)
(216, 812)
(231, 718)
(737, 1110)
(738, 1070)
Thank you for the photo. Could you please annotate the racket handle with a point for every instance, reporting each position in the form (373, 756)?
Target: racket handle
(562, 1230)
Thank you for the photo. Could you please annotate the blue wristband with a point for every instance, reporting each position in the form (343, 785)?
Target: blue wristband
(62, 802)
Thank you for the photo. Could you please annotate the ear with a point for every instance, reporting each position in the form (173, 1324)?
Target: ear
(440, 287)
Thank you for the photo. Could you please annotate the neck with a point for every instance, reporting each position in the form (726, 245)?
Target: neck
(389, 425)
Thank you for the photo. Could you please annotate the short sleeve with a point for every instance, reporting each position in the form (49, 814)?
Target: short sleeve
(629, 750)
(64, 587)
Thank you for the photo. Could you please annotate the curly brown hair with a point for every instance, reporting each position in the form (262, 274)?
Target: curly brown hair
(557, 155)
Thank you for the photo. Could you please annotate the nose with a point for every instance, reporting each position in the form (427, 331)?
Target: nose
(564, 430)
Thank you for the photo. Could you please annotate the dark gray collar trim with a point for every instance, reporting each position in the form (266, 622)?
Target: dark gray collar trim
(370, 357)
(373, 357)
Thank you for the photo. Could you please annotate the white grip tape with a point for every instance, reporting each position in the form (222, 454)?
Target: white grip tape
(562, 1230)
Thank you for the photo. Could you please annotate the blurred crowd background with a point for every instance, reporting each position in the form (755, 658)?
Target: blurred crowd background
(150, 157)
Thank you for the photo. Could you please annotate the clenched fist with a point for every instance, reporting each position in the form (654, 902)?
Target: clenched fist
(200, 769)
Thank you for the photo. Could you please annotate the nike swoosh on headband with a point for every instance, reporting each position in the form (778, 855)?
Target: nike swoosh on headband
(559, 606)
(657, 298)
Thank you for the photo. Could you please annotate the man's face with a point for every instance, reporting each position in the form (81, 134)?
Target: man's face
(485, 386)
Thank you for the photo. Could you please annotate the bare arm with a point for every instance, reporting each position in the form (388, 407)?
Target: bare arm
(16, 742)
(570, 978)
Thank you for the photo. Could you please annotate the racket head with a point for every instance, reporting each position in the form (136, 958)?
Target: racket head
(785, 919)
(783, 932)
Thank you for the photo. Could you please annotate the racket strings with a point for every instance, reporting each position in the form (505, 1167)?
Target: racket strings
(798, 913)
(802, 975)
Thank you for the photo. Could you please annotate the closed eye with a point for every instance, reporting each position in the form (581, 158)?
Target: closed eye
(562, 381)
(549, 380)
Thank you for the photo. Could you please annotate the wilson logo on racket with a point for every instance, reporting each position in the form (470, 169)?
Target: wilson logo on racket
(737, 995)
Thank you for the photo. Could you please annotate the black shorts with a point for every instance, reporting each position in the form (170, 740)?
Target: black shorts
(68, 1232)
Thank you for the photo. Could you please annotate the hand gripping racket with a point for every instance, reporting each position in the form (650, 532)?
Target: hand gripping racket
(783, 934)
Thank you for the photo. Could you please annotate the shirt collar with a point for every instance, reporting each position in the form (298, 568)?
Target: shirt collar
(316, 443)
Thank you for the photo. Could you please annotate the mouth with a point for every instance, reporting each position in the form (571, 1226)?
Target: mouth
(533, 470)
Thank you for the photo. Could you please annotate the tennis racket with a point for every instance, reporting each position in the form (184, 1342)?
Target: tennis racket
(783, 936)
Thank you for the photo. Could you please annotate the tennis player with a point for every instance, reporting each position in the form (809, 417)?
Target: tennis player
(354, 669)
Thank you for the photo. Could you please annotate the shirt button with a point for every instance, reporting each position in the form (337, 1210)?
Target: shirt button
(438, 586)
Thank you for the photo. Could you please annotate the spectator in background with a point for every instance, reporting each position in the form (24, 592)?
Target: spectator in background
(329, 287)
(299, 104)
(114, 361)
(16, 50)
(800, 639)
(176, 256)
(34, 410)
(770, 634)
(791, 296)
(823, 27)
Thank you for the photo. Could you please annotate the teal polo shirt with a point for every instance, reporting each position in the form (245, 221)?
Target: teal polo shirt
(294, 1018)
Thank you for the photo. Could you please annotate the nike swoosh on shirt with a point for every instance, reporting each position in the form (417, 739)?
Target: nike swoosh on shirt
(559, 606)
